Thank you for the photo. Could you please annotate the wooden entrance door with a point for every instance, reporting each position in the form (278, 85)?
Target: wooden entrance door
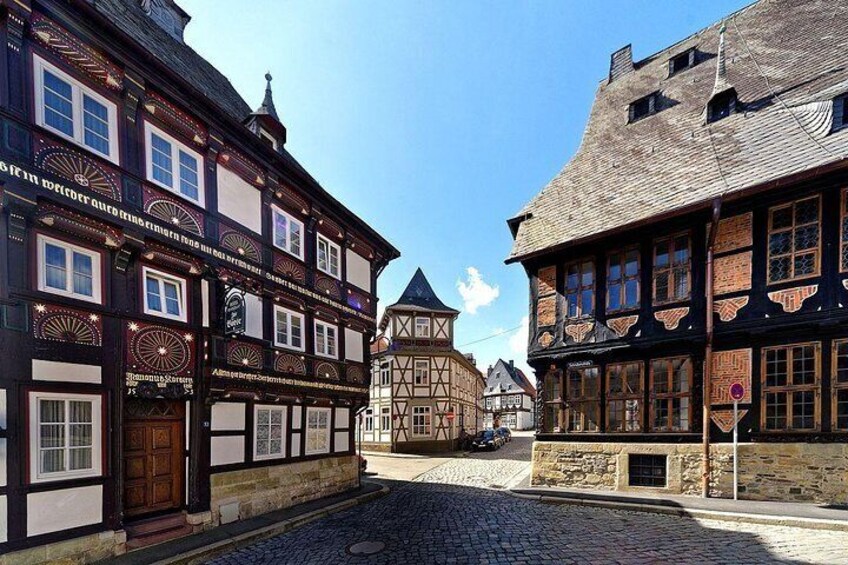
(153, 456)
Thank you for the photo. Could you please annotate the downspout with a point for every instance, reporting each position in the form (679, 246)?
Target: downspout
(708, 348)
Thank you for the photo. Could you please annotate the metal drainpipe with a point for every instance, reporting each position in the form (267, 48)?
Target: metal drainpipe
(708, 350)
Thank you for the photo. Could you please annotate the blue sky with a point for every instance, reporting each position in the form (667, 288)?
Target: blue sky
(436, 121)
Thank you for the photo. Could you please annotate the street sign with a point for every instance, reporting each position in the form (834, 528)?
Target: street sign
(235, 322)
(450, 416)
(737, 392)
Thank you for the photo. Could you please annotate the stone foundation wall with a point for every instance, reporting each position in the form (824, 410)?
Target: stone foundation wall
(84, 549)
(380, 447)
(801, 472)
(250, 492)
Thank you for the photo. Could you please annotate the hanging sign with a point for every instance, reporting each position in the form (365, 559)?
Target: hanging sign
(235, 315)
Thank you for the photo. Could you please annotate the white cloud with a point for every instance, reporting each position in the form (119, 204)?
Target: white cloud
(476, 292)
(518, 340)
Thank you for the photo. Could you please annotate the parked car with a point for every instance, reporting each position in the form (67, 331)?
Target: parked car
(487, 439)
(505, 433)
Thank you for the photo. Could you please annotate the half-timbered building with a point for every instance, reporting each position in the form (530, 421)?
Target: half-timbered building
(425, 395)
(693, 250)
(509, 398)
(184, 311)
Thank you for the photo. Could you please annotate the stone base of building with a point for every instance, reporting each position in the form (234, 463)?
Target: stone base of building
(237, 495)
(84, 549)
(798, 472)
(377, 447)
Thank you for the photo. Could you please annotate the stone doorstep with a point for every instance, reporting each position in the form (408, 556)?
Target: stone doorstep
(610, 501)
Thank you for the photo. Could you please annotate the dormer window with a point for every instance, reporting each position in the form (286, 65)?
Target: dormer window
(843, 104)
(721, 105)
(268, 139)
(644, 107)
(681, 62)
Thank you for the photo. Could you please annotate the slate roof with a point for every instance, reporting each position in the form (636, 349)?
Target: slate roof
(787, 60)
(506, 377)
(419, 295)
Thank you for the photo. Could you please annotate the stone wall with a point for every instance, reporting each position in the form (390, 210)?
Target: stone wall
(84, 549)
(379, 447)
(802, 472)
(250, 492)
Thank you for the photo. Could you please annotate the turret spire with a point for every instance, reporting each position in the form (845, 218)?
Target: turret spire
(267, 106)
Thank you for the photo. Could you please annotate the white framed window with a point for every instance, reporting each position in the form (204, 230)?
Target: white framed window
(164, 295)
(173, 165)
(421, 421)
(288, 232)
(422, 372)
(269, 432)
(288, 328)
(385, 373)
(329, 257)
(268, 139)
(317, 431)
(385, 418)
(369, 420)
(68, 269)
(326, 342)
(65, 436)
(422, 327)
(71, 110)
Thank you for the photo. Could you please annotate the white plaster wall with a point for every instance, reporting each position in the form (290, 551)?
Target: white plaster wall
(204, 295)
(253, 310)
(3, 519)
(66, 372)
(227, 450)
(358, 270)
(3, 408)
(296, 417)
(353, 345)
(295, 451)
(228, 416)
(239, 200)
(57, 510)
(3, 462)
(342, 441)
(342, 418)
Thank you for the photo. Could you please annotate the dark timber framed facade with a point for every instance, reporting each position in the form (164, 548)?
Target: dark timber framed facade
(734, 168)
(140, 194)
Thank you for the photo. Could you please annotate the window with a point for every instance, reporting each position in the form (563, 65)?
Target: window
(325, 340)
(671, 389)
(385, 373)
(488, 403)
(369, 420)
(681, 62)
(790, 388)
(267, 138)
(68, 270)
(288, 328)
(329, 257)
(422, 372)
(75, 112)
(644, 107)
(288, 233)
(164, 295)
(553, 401)
(269, 432)
(624, 397)
(317, 431)
(421, 421)
(721, 105)
(583, 407)
(385, 418)
(173, 165)
(422, 327)
(646, 470)
(623, 280)
(793, 246)
(672, 269)
(839, 382)
(65, 436)
(580, 289)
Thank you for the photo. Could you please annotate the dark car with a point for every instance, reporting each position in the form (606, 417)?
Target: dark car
(487, 439)
(504, 432)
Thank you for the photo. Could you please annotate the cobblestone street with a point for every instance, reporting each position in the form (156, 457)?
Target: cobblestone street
(451, 514)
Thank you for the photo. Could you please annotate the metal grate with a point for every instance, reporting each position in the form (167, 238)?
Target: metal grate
(647, 470)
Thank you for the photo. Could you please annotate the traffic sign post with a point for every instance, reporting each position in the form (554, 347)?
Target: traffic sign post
(737, 393)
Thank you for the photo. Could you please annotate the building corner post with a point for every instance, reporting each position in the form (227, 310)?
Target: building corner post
(708, 350)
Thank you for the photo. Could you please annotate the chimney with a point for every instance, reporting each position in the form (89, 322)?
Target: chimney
(621, 63)
(511, 364)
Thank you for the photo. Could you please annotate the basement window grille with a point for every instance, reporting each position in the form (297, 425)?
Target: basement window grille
(647, 470)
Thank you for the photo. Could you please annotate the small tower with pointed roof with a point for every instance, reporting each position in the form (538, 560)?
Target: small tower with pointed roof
(265, 122)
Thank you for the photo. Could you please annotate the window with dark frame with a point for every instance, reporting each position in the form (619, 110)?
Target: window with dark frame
(644, 107)
(671, 391)
(646, 470)
(839, 383)
(681, 62)
(721, 106)
(623, 280)
(624, 397)
(844, 110)
(790, 388)
(583, 406)
(553, 401)
(794, 240)
(580, 289)
(672, 269)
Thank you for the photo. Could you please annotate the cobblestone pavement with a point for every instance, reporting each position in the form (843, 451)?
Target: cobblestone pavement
(444, 517)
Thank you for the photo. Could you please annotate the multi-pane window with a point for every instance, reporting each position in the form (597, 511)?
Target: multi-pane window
(369, 420)
(839, 383)
(385, 373)
(580, 289)
(68, 270)
(790, 388)
(317, 430)
(173, 165)
(270, 431)
(385, 418)
(288, 233)
(325, 340)
(422, 327)
(288, 328)
(583, 406)
(671, 391)
(329, 257)
(624, 397)
(553, 401)
(65, 435)
(672, 269)
(623, 280)
(422, 372)
(164, 295)
(793, 243)
(421, 421)
(75, 112)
